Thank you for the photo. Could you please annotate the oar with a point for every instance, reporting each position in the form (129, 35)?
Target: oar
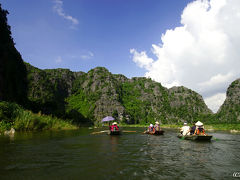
(129, 131)
(182, 138)
(99, 132)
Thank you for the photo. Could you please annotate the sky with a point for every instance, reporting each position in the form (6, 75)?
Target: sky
(191, 43)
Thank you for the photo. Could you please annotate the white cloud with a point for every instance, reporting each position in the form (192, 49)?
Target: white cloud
(58, 60)
(202, 53)
(217, 79)
(141, 59)
(58, 8)
(87, 55)
(215, 101)
(82, 54)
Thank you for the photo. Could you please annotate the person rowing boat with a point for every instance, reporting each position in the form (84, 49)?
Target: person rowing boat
(114, 129)
(199, 128)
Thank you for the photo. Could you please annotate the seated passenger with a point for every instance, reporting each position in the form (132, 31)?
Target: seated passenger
(150, 128)
(192, 131)
(114, 127)
(157, 126)
(199, 128)
(185, 130)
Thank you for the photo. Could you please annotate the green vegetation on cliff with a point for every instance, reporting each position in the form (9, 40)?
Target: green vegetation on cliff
(99, 93)
(229, 112)
(144, 101)
(82, 103)
(88, 97)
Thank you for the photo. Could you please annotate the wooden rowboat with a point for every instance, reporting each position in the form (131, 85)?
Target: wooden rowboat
(161, 132)
(196, 137)
(114, 132)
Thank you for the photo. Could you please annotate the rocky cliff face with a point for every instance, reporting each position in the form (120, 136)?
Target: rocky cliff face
(98, 93)
(13, 86)
(230, 110)
(187, 104)
(95, 94)
(48, 89)
(154, 102)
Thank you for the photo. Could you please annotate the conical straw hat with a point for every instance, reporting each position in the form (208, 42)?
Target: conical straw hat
(199, 123)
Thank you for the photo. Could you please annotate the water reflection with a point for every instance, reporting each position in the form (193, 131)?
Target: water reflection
(114, 142)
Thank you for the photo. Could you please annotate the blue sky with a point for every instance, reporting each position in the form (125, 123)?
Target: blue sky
(191, 43)
(105, 32)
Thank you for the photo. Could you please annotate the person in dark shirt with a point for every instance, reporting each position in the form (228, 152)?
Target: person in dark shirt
(192, 131)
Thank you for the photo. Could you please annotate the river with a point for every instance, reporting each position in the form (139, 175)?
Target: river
(77, 154)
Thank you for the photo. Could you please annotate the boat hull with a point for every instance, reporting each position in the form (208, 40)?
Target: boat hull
(196, 137)
(114, 132)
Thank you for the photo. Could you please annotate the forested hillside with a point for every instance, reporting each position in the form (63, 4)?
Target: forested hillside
(99, 93)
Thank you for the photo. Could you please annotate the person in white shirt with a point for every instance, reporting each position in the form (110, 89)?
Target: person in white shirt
(150, 128)
(185, 130)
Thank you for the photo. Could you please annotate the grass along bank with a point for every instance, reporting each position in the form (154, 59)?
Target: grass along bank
(223, 127)
(208, 127)
(14, 116)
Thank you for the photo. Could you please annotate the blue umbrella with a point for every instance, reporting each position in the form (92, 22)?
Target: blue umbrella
(107, 119)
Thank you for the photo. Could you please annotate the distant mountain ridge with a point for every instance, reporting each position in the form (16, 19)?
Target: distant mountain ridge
(99, 93)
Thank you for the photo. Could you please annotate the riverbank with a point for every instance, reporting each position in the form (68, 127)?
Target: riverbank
(208, 127)
(14, 116)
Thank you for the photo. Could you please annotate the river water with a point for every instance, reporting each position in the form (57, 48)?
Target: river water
(77, 154)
